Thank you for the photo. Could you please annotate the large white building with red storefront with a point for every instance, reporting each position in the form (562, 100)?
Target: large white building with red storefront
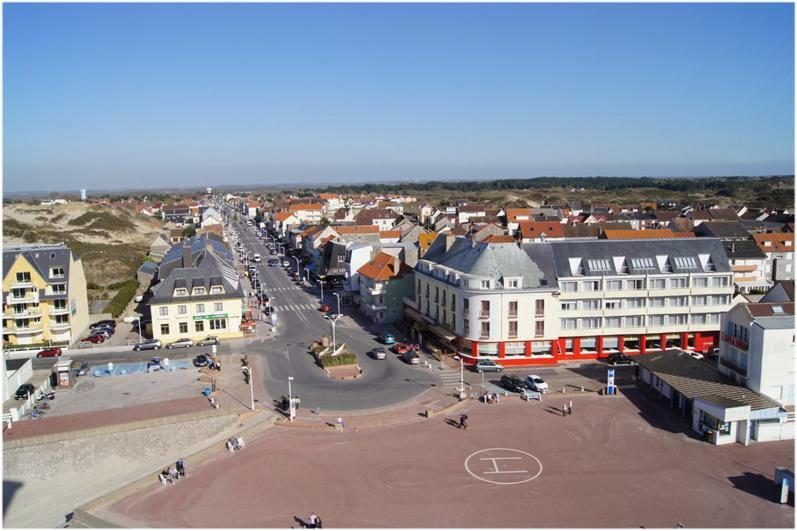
(540, 303)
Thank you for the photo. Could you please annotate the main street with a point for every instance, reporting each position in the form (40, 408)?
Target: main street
(300, 323)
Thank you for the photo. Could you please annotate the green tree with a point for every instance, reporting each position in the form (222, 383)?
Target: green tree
(189, 232)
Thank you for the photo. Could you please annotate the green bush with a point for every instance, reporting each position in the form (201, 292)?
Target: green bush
(93, 285)
(118, 304)
(344, 358)
(9, 347)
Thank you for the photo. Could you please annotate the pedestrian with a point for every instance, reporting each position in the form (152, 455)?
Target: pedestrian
(340, 422)
(564, 409)
(162, 477)
(313, 521)
(229, 445)
(181, 468)
(463, 421)
(173, 472)
(570, 408)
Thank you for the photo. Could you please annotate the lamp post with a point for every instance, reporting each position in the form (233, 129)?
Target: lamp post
(333, 321)
(461, 375)
(337, 296)
(251, 388)
(321, 283)
(290, 400)
(298, 267)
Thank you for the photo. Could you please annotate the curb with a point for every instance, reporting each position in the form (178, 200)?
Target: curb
(84, 514)
(113, 428)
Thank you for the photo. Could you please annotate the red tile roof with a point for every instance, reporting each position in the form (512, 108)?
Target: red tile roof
(533, 229)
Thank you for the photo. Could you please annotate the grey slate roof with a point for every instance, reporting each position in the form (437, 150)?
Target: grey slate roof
(210, 271)
(743, 249)
(722, 229)
(42, 257)
(689, 248)
(776, 322)
(199, 244)
(696, 379)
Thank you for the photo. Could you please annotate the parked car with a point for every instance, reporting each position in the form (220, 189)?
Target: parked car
(96, 338)
(104, 332)
(387, 338)
(208, 341)
(24, 391)
(256, 258)
(201, 360)
(108, 322)
(617, 358)
(535, 383)
(325, 308)
(49, 353)
(285, 263)
(154, 365)
(148, 344)
(487, 366)
(183, 342)
(411, 357)
(273, 262)
(696, 355)
(83, 370)
(512, 382)
(378, 354)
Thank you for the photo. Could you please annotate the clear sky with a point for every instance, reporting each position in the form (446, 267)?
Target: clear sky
(117, 96)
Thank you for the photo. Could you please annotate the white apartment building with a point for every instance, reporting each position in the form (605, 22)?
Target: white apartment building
(309, 213)
(539, 303)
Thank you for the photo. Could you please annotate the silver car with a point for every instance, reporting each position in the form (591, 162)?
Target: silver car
(149, 344)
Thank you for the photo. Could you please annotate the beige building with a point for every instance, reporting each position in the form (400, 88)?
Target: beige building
(44, 295)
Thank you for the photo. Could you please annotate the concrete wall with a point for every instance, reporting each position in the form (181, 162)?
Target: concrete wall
(16, 378)
(771, 363)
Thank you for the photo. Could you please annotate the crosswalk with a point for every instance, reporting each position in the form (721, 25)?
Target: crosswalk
(450, 378)
(294, 307)
(283, 288)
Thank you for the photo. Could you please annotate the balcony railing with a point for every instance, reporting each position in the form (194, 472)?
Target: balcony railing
(512, 315)
(735, 341)
(31, 296)
(59, 326)
(484, 315)
(30, 329)
(22, 284)
(23, 315)
(58, 311)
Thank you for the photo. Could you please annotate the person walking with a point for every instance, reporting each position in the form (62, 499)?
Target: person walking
(570, 408)
(313, 521)
(463, 422)
(181, 468)
(564, 409)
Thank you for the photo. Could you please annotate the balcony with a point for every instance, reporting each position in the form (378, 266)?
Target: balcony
(33, 328)
(59, 326)
(27, 314)
(484, 315)
(28, 297)
(377, 307)
(58, 311)
(735, 341)
(21, 284)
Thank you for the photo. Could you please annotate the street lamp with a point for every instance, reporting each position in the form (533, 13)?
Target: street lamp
(298, 267)
(137, 319)
(321, 283)
(461, 376)
(333, 321)
(337, 296)
(251, 389)
(290, 400)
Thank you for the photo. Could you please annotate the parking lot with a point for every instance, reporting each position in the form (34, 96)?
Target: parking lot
(616, 462)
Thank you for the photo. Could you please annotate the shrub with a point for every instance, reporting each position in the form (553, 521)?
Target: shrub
(93, 285)
(344, 358)
(118, 304)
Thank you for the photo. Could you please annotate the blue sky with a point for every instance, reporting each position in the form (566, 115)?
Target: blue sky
(119, 96)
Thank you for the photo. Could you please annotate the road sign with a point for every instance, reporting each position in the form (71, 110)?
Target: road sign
(610, 381)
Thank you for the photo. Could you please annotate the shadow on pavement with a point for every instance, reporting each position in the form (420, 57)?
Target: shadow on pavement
(10, 488)
(757, 485)
(657, 413)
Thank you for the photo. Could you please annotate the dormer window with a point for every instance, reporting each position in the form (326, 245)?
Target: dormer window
(181, 292)
(214, 290)
(57, 272)
(200, 291)
(485, 284)
(512, 283)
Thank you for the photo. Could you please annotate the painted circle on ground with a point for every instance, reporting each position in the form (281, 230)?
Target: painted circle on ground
(503, 466)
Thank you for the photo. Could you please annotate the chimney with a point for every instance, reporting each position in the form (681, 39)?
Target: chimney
(449, 240)
(186, 254)
(733, 246)
(396, 264)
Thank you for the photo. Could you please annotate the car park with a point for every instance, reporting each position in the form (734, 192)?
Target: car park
(487, 366)
(201, 360)
(148, 344)
(208, 341)
(183, 342)
(535, 383)
(108, 322)
(617, 358)
(512, 382)
(386, 338)
(24, 391)
(411, 357)
(378, 354)
(49, 353)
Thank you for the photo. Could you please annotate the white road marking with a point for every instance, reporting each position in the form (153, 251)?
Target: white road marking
(497, 469)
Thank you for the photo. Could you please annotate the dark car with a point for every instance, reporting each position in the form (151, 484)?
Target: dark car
(378, 354)
(83, 370)
(619, 359)
(513, 383)
(201, 360)
(385, 337)
(487, 366)
(104, 322)
(49, 353)
(24, 391)
(411, 357)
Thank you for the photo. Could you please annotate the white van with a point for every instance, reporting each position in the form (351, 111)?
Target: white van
(256, 258)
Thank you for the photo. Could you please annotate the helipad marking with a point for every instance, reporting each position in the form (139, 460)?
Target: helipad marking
(499, 467)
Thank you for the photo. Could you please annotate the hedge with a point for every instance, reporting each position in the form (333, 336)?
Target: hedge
(9, 347)
(122, 298)
(346, 358)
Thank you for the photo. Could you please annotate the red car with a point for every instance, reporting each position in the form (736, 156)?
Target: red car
(49, 353)
(325, 308)
(96, 338)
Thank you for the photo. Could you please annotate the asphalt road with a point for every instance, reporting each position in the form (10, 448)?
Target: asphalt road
(383, 383)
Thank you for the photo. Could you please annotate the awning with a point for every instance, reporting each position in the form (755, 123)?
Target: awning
(442, 332)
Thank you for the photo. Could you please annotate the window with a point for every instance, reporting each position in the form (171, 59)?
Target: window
(643, 264)
(699, 318)
(485, 284)
(614, 285)
(590, 322)
(589, 344)
(453, 302)
(612, 322)
(678, 283)
(656, 320)
(437, 293)
(512, 308)
(513, 329)
(634, 321)
(485, 330)
(699, 282)
(591, 285)
(685, 262)
(676, 301)
(57, 272)
(200, 308)
(465, 306)
(679, 319)
(539, 328)
(215, 290)
(182, 309)
(569, 306)
(163, 311)
(427, 291)
(699, 300)
(180, 292)
(466, 326)
(599, 265)
(485, 311)
(612, 304)
(657, 302)
(658, 283)
(59, 288)
(165, 329)
(539, 307)
(183, 328)
(199, 291)
(569, 286)
(218, 306)
(218, 324)
(635, 284)
(418, 288)
(634, 303)
(720, 282)
(590, 304)
(567, 324)
(23, 278)
(199, 326)
(511, 283)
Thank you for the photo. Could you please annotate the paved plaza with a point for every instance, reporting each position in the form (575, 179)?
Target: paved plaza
(616, 462)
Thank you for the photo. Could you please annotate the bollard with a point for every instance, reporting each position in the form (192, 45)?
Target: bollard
(563, 389)
(582, 388)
